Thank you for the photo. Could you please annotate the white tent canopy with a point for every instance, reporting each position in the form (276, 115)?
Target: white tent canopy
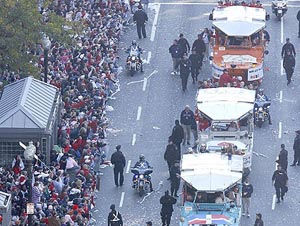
(239, 20)
(225, 103)
(211, 171)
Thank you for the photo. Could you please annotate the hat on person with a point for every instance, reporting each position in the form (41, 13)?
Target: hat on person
(149, 223)
(259, 215)
(118, 147)
(113, 207)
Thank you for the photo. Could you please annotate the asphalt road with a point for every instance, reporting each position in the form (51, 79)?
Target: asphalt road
(145, 110)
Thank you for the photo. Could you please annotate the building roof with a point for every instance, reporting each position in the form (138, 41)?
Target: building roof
(27, 103)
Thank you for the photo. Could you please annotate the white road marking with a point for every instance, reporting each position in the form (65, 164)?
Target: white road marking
(281, 30)
(280, 96)
(281, 67)
(155, 71)
(273, 202)
(145, 84)
(156, 8)
(133, 82)
(139, 112)
(133, 139)
(149, 57)
(279, 130)
(128, 166)
(122, 199)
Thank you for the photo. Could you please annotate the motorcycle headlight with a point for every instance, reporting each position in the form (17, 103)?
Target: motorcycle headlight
(268, 107)
(141, 176)
(133, 58)
(260, 109)
(255, 109)
(135, 176)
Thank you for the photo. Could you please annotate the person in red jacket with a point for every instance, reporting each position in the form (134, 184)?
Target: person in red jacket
(225, 78)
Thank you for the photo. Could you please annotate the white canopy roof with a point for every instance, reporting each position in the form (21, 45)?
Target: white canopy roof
(225, 103)
(239, 59)
(210, 171)
(239, 20)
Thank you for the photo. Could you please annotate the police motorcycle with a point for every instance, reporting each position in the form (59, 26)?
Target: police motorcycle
(279, 8)
(141, 176)
(134, 62)
(261, 109)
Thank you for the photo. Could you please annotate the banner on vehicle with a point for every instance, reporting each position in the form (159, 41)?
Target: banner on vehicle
(255, 73)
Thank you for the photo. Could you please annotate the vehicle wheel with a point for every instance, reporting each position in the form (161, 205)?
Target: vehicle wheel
(131, 72)
(259, 123)
(279, 17)
(141, 192)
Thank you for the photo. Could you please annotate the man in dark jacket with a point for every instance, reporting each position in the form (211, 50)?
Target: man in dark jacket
(288, 46)
(177, 135)
(196, 64)
(114, 217)
(283, 158)
(185, 69)
(171, 154)
(119, 161)
(140, 17)
(199, 46)
(258, 220)
(247, 190)
(186, 120)
(289, 65)
(184, 44)
(296, 148)
(175, 178)
(176, 53)
(280, 180)
(167, 203)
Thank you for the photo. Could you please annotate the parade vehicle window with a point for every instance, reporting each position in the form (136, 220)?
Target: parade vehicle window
(219, 126)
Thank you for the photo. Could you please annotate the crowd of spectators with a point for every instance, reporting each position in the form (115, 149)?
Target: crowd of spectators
(87, 76)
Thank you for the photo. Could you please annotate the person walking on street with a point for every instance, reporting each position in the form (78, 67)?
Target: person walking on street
(206, 39)
(176, 53)
(184, 44)
(196, 64)
(283, 158)
(280, 180)
(140, 17)
(298, 18)
(288, 46)
(185, 69)
(289, 65)
(186, 120)
(177, 135)
(171, 154)
(166, 211)
(119, 162)
(199, 46)
(296, 148)
(258, 220)
(247, 190)
(175, 178)
(114, 217)
(149, 223)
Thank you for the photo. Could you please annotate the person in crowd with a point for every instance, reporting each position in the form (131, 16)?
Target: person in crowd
(203, 148)
(119, 162)
(140, 17)
(186, 120)
(296, 148)
(185, 69)
(17, 165)
(298, 18)
(283, 157)
(247, 190)
(205, 35)
(175, 178)
(177, 135)
(176, 53)
(289, 65)
(225, 78)
(258, 220)
(288, 47)
(184, 44)
(114, 217)
(196, 64)
(166, 211)
(171, 154)
(199, 46)
(280, 180)
(194, 130)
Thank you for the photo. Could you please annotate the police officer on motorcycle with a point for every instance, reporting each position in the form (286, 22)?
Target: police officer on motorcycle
(135, 50)
(142, 163)
(261, 97)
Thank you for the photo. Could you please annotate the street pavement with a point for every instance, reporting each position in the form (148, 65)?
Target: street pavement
(145, 111)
